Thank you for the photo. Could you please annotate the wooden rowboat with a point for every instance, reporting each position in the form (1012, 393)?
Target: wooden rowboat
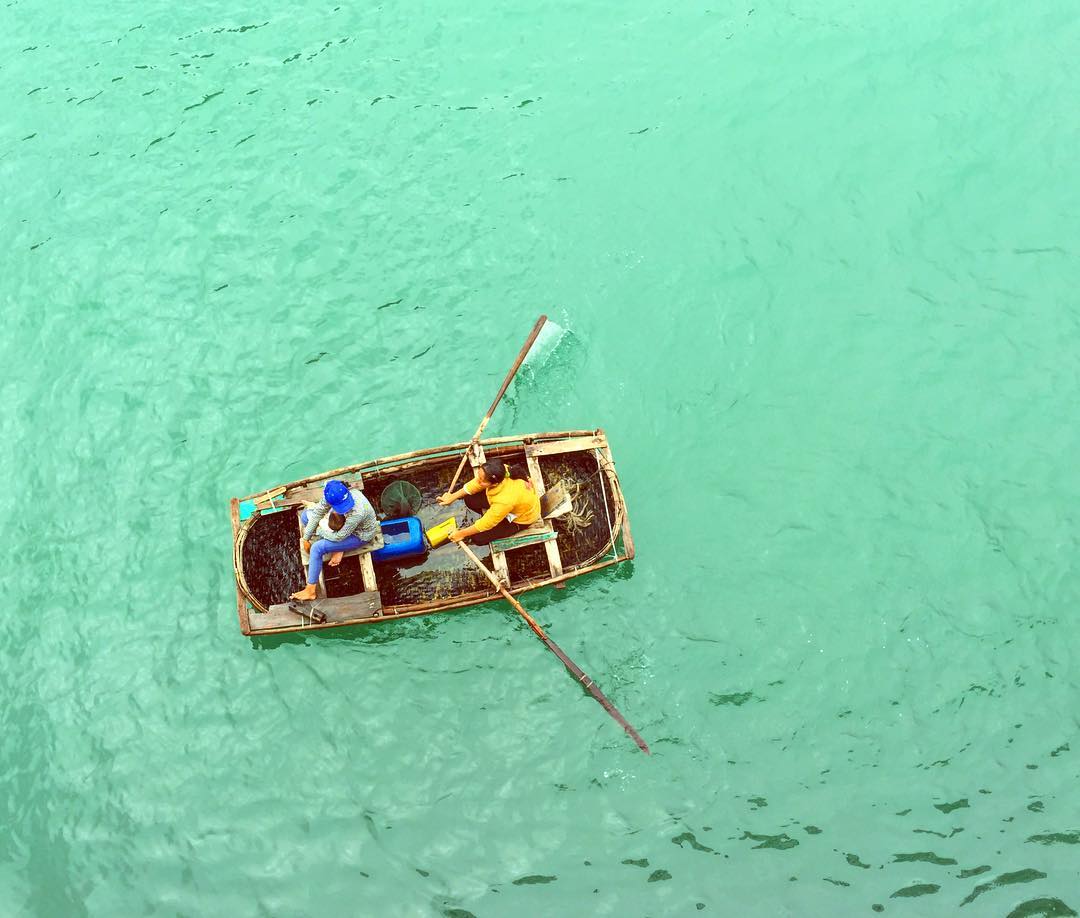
(360, 591)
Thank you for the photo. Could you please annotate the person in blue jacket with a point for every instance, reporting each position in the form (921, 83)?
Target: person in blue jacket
(357, 525)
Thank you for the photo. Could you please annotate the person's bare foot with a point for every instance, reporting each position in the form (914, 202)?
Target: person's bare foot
(306, 594)
(335, 558)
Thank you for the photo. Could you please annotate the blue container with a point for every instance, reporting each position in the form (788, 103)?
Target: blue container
(402, 538)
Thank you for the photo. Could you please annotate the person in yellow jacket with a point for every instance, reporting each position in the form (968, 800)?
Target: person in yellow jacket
(507, 504)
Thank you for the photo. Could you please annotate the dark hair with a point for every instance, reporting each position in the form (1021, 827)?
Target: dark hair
(494, 470)
(336, 520)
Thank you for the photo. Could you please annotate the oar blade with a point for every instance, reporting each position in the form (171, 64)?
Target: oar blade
(570, 665)
(522, 354)
(592, 688)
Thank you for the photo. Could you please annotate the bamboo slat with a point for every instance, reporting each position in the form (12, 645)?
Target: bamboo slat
(551, 548)
(616, 489)
(381, 464)
(241, 601)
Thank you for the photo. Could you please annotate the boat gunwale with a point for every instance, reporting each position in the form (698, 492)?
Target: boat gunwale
(387, 464)
(410, 610)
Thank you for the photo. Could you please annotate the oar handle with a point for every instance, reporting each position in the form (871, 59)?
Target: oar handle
(464, 457)
(502, 391)
(495, 582)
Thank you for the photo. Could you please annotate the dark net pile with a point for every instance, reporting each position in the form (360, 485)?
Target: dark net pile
(271, 558)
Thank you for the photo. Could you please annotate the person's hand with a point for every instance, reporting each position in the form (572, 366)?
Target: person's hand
(305, 545)
(446, 500)
(456, 536)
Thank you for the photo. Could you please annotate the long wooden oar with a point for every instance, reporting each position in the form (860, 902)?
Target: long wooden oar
(506, 384)
(574, 669)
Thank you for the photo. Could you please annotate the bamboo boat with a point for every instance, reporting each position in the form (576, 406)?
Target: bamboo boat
(594, 534)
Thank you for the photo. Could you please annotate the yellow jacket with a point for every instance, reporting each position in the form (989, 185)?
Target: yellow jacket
(511, 495)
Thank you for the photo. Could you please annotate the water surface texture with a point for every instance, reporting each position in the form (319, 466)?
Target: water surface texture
(817, 264)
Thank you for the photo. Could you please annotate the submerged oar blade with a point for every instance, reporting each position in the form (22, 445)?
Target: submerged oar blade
(544, 345)
(570, 665)
(522, 354)
(592, 689)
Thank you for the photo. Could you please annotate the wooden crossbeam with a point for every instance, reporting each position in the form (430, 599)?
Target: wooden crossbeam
(573, 445)
(550, 547)
(520, 541)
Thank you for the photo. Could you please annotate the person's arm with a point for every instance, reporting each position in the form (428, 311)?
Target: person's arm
(495, 515)
(470, 487)
(315, 515)
(352, 520)
(361, 521)
(447, 499)
(457, 535)
(369, 524)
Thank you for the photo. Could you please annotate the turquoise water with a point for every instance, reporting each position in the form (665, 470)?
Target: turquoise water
(817, 266)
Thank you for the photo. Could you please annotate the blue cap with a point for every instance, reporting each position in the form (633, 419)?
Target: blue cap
(337, 495)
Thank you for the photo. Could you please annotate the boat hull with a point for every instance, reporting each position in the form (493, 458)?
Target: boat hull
(594, 535)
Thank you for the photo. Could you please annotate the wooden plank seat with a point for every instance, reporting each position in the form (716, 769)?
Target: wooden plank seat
(337, 611)
(553, 503)
(539, 532)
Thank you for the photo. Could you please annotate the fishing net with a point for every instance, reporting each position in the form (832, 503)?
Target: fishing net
(400, 498)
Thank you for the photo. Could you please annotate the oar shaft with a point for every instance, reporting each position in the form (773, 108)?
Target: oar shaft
(574, 670)
(592, 688)
(502, 391)
(457, 474)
